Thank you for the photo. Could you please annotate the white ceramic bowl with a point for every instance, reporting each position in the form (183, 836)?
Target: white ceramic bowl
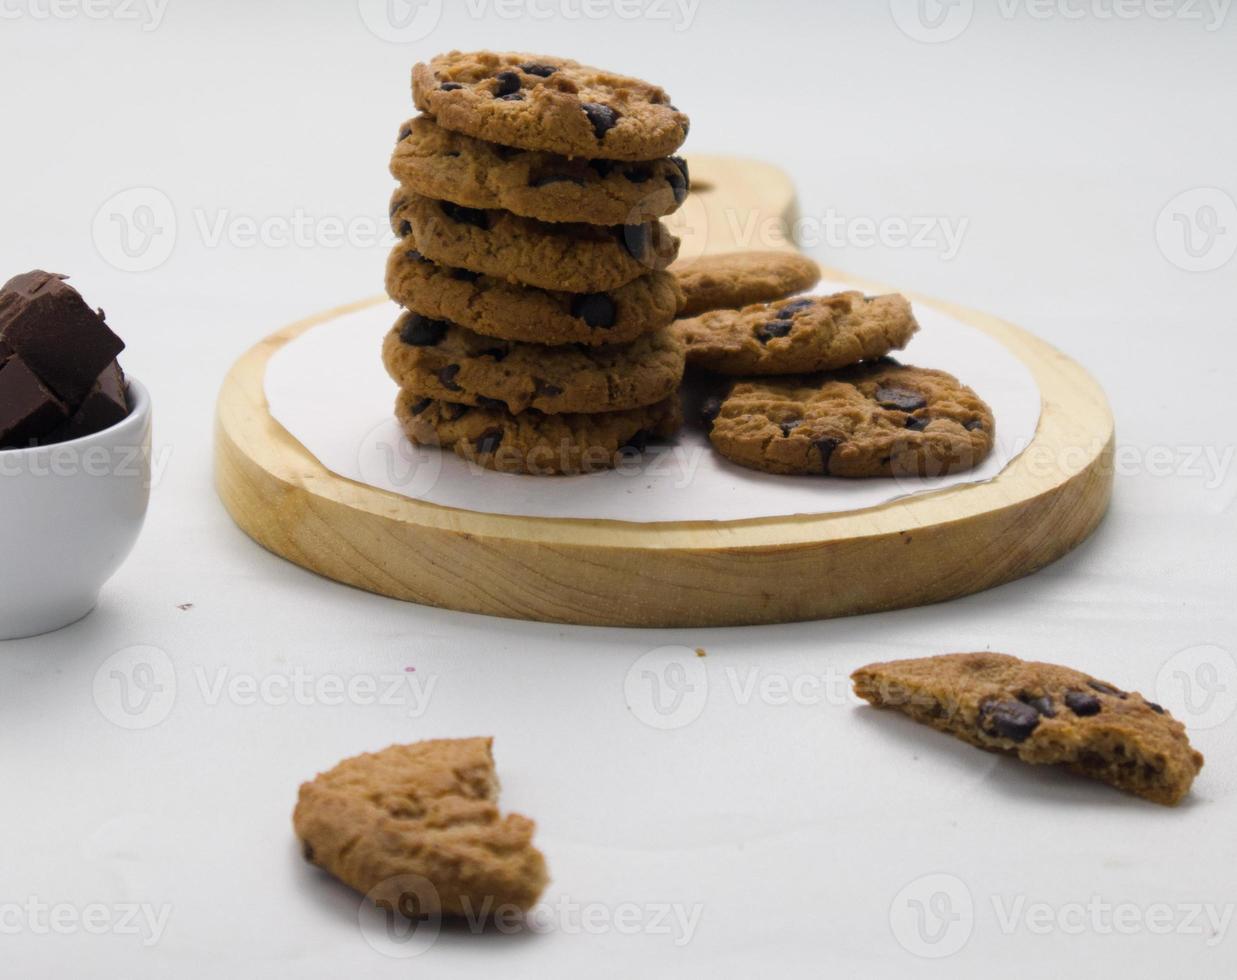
(69, 516)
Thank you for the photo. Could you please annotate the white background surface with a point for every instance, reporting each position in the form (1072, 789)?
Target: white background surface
(795, 828)
(330, 392)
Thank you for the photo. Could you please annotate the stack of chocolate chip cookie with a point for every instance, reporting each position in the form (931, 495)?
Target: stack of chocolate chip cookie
(828, 398)
(531, 263)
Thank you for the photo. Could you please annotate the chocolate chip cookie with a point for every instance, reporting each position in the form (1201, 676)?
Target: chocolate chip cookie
(1044, 714)
(874, 420)
(498, 308)
(534, 443)
(537, 102)
(737, 279)
(416, 828)
(573, 258)
(447, 362)
(798, 336)
(453, 167)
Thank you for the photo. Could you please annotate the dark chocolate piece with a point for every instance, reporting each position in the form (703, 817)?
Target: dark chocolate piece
(61, 339)
(105, 406)
(28, 408)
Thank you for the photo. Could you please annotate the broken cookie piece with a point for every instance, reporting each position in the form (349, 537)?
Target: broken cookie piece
(428, 812)
(1044, 714)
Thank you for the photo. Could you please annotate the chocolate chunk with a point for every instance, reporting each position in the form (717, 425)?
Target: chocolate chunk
(453, 412)
(421, 331)
(493, 404)
(507, 82)
(1008, 719)
(105, 406)
(774, 329)
(543, 389)
(1041, 703)
(826, 448)
(465, 275)
(1082, 704)
(465, 216)
(916, 425)
(601, 116)
(412, 255)
(680, 183)
(603, 168)
(405, 229)
(541, 71)
(545, 180)
(596, 309)
(788, 311)
(900, 399)
(640, 175)
(61, 339)
(513, 97)
(1158, 709)
(419, 406)
(709, 412)
(450, 87)
(974, 425)
(636, 239)
(1107, 689)
(404, 133)
(490, 440)
(790, 426)
(446, 377)
(28, 408)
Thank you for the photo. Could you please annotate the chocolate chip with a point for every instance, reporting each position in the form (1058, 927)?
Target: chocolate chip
(974, 425)
(405, 229)
(545, 180)
(421, 331)
(465, 216)
(1008, 719)
(513, 97)
(404, 133)
(641, 175)
(493, 404)
(636, 240)
(916, 425)
(680, 183)
(490, 441)
(541, 71)
(789, 427)
(1107, 689)
(601, 116)
(826, 448)
(900, 399)
(603, 167)
(496, 353)
(508, 82)
(543, 389)
(709, 412)
(595, 309)
(1042, 704)
(412, 255)
(446, 377)
(450, 87)
(1159, 710)
(417, 407)
(1082, 704)
(465, 275)
(773, 329)
(453, 412)
(790, 309)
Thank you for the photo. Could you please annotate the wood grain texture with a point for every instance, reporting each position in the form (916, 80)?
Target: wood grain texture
(922, 550)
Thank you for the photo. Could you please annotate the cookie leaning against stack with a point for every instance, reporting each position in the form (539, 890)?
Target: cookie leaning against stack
(531, 263)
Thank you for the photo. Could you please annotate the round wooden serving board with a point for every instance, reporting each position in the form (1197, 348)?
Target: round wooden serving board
(921, 550)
